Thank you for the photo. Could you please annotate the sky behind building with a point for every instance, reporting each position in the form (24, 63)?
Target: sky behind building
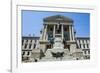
(32, 22)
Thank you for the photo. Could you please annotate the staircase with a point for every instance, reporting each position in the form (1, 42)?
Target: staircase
(57, 53)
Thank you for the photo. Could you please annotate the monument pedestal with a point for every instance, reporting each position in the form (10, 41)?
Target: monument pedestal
(57, 52)
(43, 45)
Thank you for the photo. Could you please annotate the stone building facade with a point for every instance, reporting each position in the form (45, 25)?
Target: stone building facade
(56, 42)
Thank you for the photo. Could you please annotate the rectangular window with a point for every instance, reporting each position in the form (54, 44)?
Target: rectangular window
(80, 45)
(30, 46)
(83, 41)
(87, 45)
(89, 52)
(23, 53)
(86, 41)
(83, 45)
(25, 46)
(28, 53)
(34, 45)
(85, 52)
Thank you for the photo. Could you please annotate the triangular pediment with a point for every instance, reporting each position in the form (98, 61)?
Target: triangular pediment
(58, 18)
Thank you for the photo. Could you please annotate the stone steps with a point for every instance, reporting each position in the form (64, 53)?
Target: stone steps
(48, 56)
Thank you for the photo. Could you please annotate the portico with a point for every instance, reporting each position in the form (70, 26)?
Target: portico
(57, 26)
(59, 29)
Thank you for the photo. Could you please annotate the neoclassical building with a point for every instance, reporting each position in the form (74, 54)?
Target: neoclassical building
(56, 42)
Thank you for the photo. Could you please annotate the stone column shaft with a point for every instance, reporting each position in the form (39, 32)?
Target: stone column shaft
(54, 32)
(62, 32)
(73, 33)
(45, 30)
(70, 33)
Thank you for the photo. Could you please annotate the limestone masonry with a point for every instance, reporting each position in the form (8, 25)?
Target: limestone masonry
(57, 42)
